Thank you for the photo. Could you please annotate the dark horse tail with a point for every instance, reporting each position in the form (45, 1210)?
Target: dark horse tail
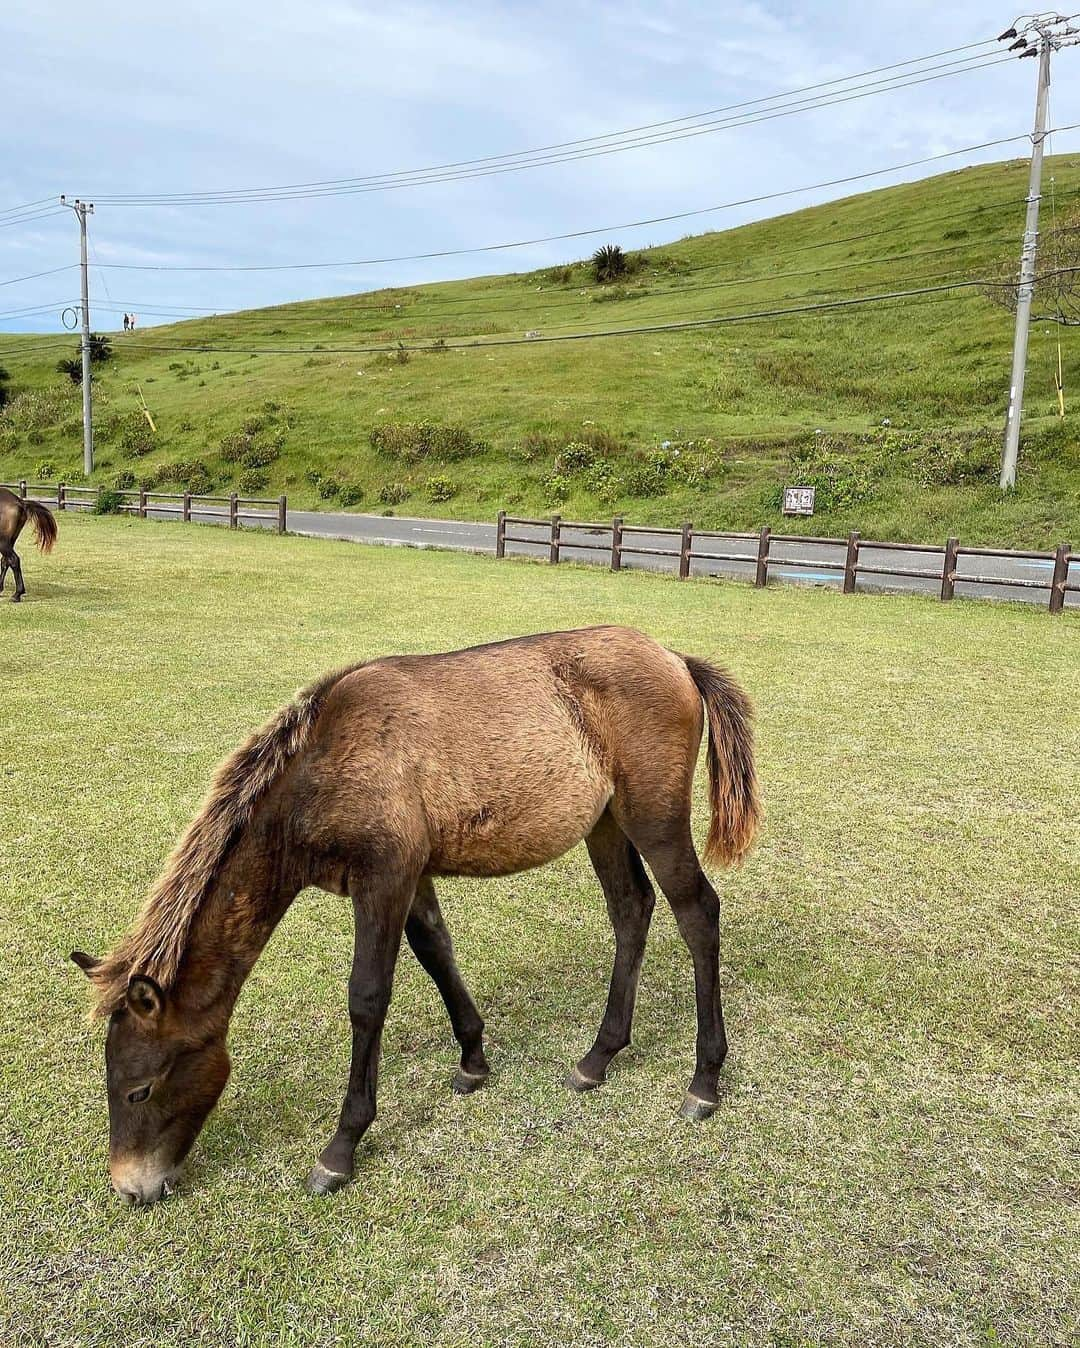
(44, 524)
(733, 785)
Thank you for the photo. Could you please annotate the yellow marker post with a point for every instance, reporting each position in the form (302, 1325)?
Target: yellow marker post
(146, 410)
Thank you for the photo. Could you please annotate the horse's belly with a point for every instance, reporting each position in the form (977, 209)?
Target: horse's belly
(538, 819)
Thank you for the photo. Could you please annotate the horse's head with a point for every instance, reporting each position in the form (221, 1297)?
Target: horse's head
(163, 1078)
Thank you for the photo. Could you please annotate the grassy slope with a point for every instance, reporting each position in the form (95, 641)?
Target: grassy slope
(925, 365)
(894, 1162)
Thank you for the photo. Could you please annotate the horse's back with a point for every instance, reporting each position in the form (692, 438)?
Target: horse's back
(501, 757)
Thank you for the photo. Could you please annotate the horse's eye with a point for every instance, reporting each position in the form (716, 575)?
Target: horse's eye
(137, 1097)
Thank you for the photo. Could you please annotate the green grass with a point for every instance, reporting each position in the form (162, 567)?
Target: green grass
(756, 391)
(894, 1161)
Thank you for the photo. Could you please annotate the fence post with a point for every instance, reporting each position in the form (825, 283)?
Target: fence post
(556, 537)
(1061, 576)
(22, 487)
(142, 503)
(500, 535)
(282, 513)
(851, 562)
(761, 575)
(187, 507)
(948, 569)
(61, 500)
(686, 542)
(233, 505)
(616, 543)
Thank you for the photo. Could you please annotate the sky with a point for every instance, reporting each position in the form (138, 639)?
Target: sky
(117, 99)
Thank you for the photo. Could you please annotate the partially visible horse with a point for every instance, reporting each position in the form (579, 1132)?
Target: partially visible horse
(14, 512)
(377, 779)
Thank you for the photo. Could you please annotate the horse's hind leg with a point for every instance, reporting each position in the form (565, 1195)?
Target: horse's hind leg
(630, 905)
(3, 570)
(697, 912)
(430, 940)
(11, 557)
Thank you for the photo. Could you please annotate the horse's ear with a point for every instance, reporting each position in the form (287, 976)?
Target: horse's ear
(87, 963)
(145, 998)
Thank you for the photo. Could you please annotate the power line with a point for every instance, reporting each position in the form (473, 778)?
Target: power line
(26, 206)
(419, 297)
(485, 343)
(53, 271)
(635, 143)
(31, 218)
(579, 233)
(560, 145)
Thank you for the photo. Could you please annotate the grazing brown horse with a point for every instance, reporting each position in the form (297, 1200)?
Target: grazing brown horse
(375, 780)
(14, 512)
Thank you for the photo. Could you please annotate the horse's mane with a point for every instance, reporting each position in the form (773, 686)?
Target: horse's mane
(156, 944)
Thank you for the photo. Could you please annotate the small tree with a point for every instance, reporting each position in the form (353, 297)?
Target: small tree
(609, 263)
(5, 392)
(1057, 272)
(100, 351)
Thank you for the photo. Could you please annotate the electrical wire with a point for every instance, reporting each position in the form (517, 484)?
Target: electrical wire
(636, 143)
(579, 233)
(53, 271)
(564, 145)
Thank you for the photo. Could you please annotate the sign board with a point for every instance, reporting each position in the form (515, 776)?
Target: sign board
(799, 500)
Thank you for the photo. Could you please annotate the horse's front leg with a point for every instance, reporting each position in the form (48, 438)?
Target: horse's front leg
(380, 906)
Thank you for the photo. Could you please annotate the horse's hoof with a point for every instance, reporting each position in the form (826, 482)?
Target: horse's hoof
(696, 1109)
(578, 1081)
(16, 598)
(322, 1181)
(464, 1083)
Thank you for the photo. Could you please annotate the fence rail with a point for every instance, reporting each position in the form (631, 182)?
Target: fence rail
(685, 551)
(143, 502)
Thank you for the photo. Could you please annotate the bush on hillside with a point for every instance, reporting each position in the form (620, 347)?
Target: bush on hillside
(414, 441)
(441, 489)
(351, 494)
(393, 493)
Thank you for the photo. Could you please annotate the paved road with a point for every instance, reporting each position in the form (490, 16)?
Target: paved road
(461, 535)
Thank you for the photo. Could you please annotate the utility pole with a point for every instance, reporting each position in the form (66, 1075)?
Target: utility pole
(1035, 35)
(82, 209)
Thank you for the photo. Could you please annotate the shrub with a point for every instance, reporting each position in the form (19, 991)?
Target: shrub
(313, 476)
(557, 488)
(134, 434)
(185, 424)
(574, 457)
(328, 488)
(534, 445)
(393, 493)
(260, 456)
(559, 276)
(414, 441)
(608, 263)
(252, 480)
(124, 480)
(351, 493)
(601, 481)
(45, 469)
(251, 426)
(39, 407)
(5, 392)
(441, 489)
(108, 502)
(233, 447)
(35, 437)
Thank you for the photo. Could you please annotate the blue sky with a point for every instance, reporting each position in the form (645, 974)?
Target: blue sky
(119, 98)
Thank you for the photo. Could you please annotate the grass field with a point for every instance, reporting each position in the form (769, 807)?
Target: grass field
(274, 396)
(894, 1161)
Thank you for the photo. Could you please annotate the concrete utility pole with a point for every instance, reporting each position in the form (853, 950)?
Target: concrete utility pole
(1035, 35)
(82, 209)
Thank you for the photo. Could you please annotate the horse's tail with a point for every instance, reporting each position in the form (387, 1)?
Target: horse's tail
(733, 785)
(44, 524)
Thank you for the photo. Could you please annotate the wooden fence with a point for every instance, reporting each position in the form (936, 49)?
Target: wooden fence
(144, 503)
(686, 548)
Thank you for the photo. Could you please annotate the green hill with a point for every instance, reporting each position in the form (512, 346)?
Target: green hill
(893, 410)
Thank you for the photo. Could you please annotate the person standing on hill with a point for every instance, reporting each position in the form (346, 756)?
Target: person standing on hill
(126, 322)
(131, 322)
